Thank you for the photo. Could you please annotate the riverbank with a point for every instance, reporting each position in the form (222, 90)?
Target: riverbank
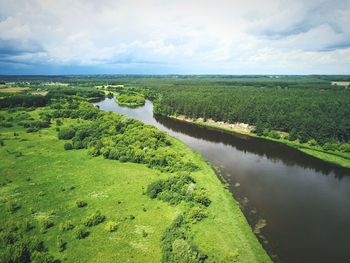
(338, 158)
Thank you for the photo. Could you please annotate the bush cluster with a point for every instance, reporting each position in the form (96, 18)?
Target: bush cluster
(127, 140)
(176, 189)
(95, 219)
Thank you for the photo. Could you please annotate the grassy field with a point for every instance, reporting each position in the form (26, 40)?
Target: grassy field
(43, 183)
(13, 90)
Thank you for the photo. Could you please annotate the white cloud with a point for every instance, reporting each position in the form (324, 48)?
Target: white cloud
(187, 36)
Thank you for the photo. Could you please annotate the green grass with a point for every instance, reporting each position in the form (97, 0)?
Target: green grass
(47, 181)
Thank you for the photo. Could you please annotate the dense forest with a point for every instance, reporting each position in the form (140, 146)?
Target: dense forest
(320, 114)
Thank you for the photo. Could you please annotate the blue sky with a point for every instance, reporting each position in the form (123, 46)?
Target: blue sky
(180, 37)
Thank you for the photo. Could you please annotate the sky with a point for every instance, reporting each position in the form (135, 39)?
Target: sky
(174, 37)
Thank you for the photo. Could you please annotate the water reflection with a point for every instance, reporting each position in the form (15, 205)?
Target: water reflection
(261, 147)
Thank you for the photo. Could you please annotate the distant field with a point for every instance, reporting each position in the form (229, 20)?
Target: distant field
(341, 83)
(13, 89)
(43, 93)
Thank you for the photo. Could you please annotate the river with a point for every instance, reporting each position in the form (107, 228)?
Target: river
(305, 201)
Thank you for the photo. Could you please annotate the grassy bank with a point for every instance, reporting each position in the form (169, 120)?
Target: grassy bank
(334, 157)
(51, 189)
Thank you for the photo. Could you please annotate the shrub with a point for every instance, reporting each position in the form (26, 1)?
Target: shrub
(175, 189)
(61, 245)
(12, 206)
(293, 135)
(95, 219)
(78, 145)
(59, 122)
(312, 142)
(330, 146)
(67, 226)
(18, 154)
(68, 146)
(112, 226)
(131, 217)
(196, 214)
(274, 134)
(81, 233)
(144, 233)
(42, 257)
(81, 203)
(66, 133)
(46, 224)
(345, 147)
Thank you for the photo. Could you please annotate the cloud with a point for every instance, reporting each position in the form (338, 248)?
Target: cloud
(155, 36)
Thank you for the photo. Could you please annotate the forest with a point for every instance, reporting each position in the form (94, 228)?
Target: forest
(305, 113)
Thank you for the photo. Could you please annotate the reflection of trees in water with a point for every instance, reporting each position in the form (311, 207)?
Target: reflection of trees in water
(272, 150)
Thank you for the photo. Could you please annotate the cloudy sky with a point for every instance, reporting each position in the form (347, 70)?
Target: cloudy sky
(180, 37)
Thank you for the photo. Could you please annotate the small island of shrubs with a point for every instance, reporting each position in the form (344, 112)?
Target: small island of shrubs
(130, 99)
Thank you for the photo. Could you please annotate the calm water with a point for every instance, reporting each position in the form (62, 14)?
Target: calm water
(305, 201)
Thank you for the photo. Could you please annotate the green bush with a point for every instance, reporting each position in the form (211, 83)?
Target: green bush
(95, 219)
(175, 189)
(12, 206)
(61, 245)
(68, 146)
(81, 233)
(312, 142)
(112, 226)
(67, 226)
(274, 134)
(46, 224)
(66, 133)
(81, 203)
(330, 146)
(42, 257)
(59, 122)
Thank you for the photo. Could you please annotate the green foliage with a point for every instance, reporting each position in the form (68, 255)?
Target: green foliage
(59, 122)
(311, 107)
(17, 247)
(81, 203)
(66, 226)
(12, 206)
(176, 189)
(81, 233)
(312, 142)
(111, 226)
(329, 146)
(68, 146)
(66, 133)
(126, 140)
(130, 98)
(175, 244)
(46, 224)
(23, 100)
(273, 134)
(95, 219)
(43, 257)
(61, 245)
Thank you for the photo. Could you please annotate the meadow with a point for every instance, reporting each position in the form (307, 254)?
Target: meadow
(71, 204)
